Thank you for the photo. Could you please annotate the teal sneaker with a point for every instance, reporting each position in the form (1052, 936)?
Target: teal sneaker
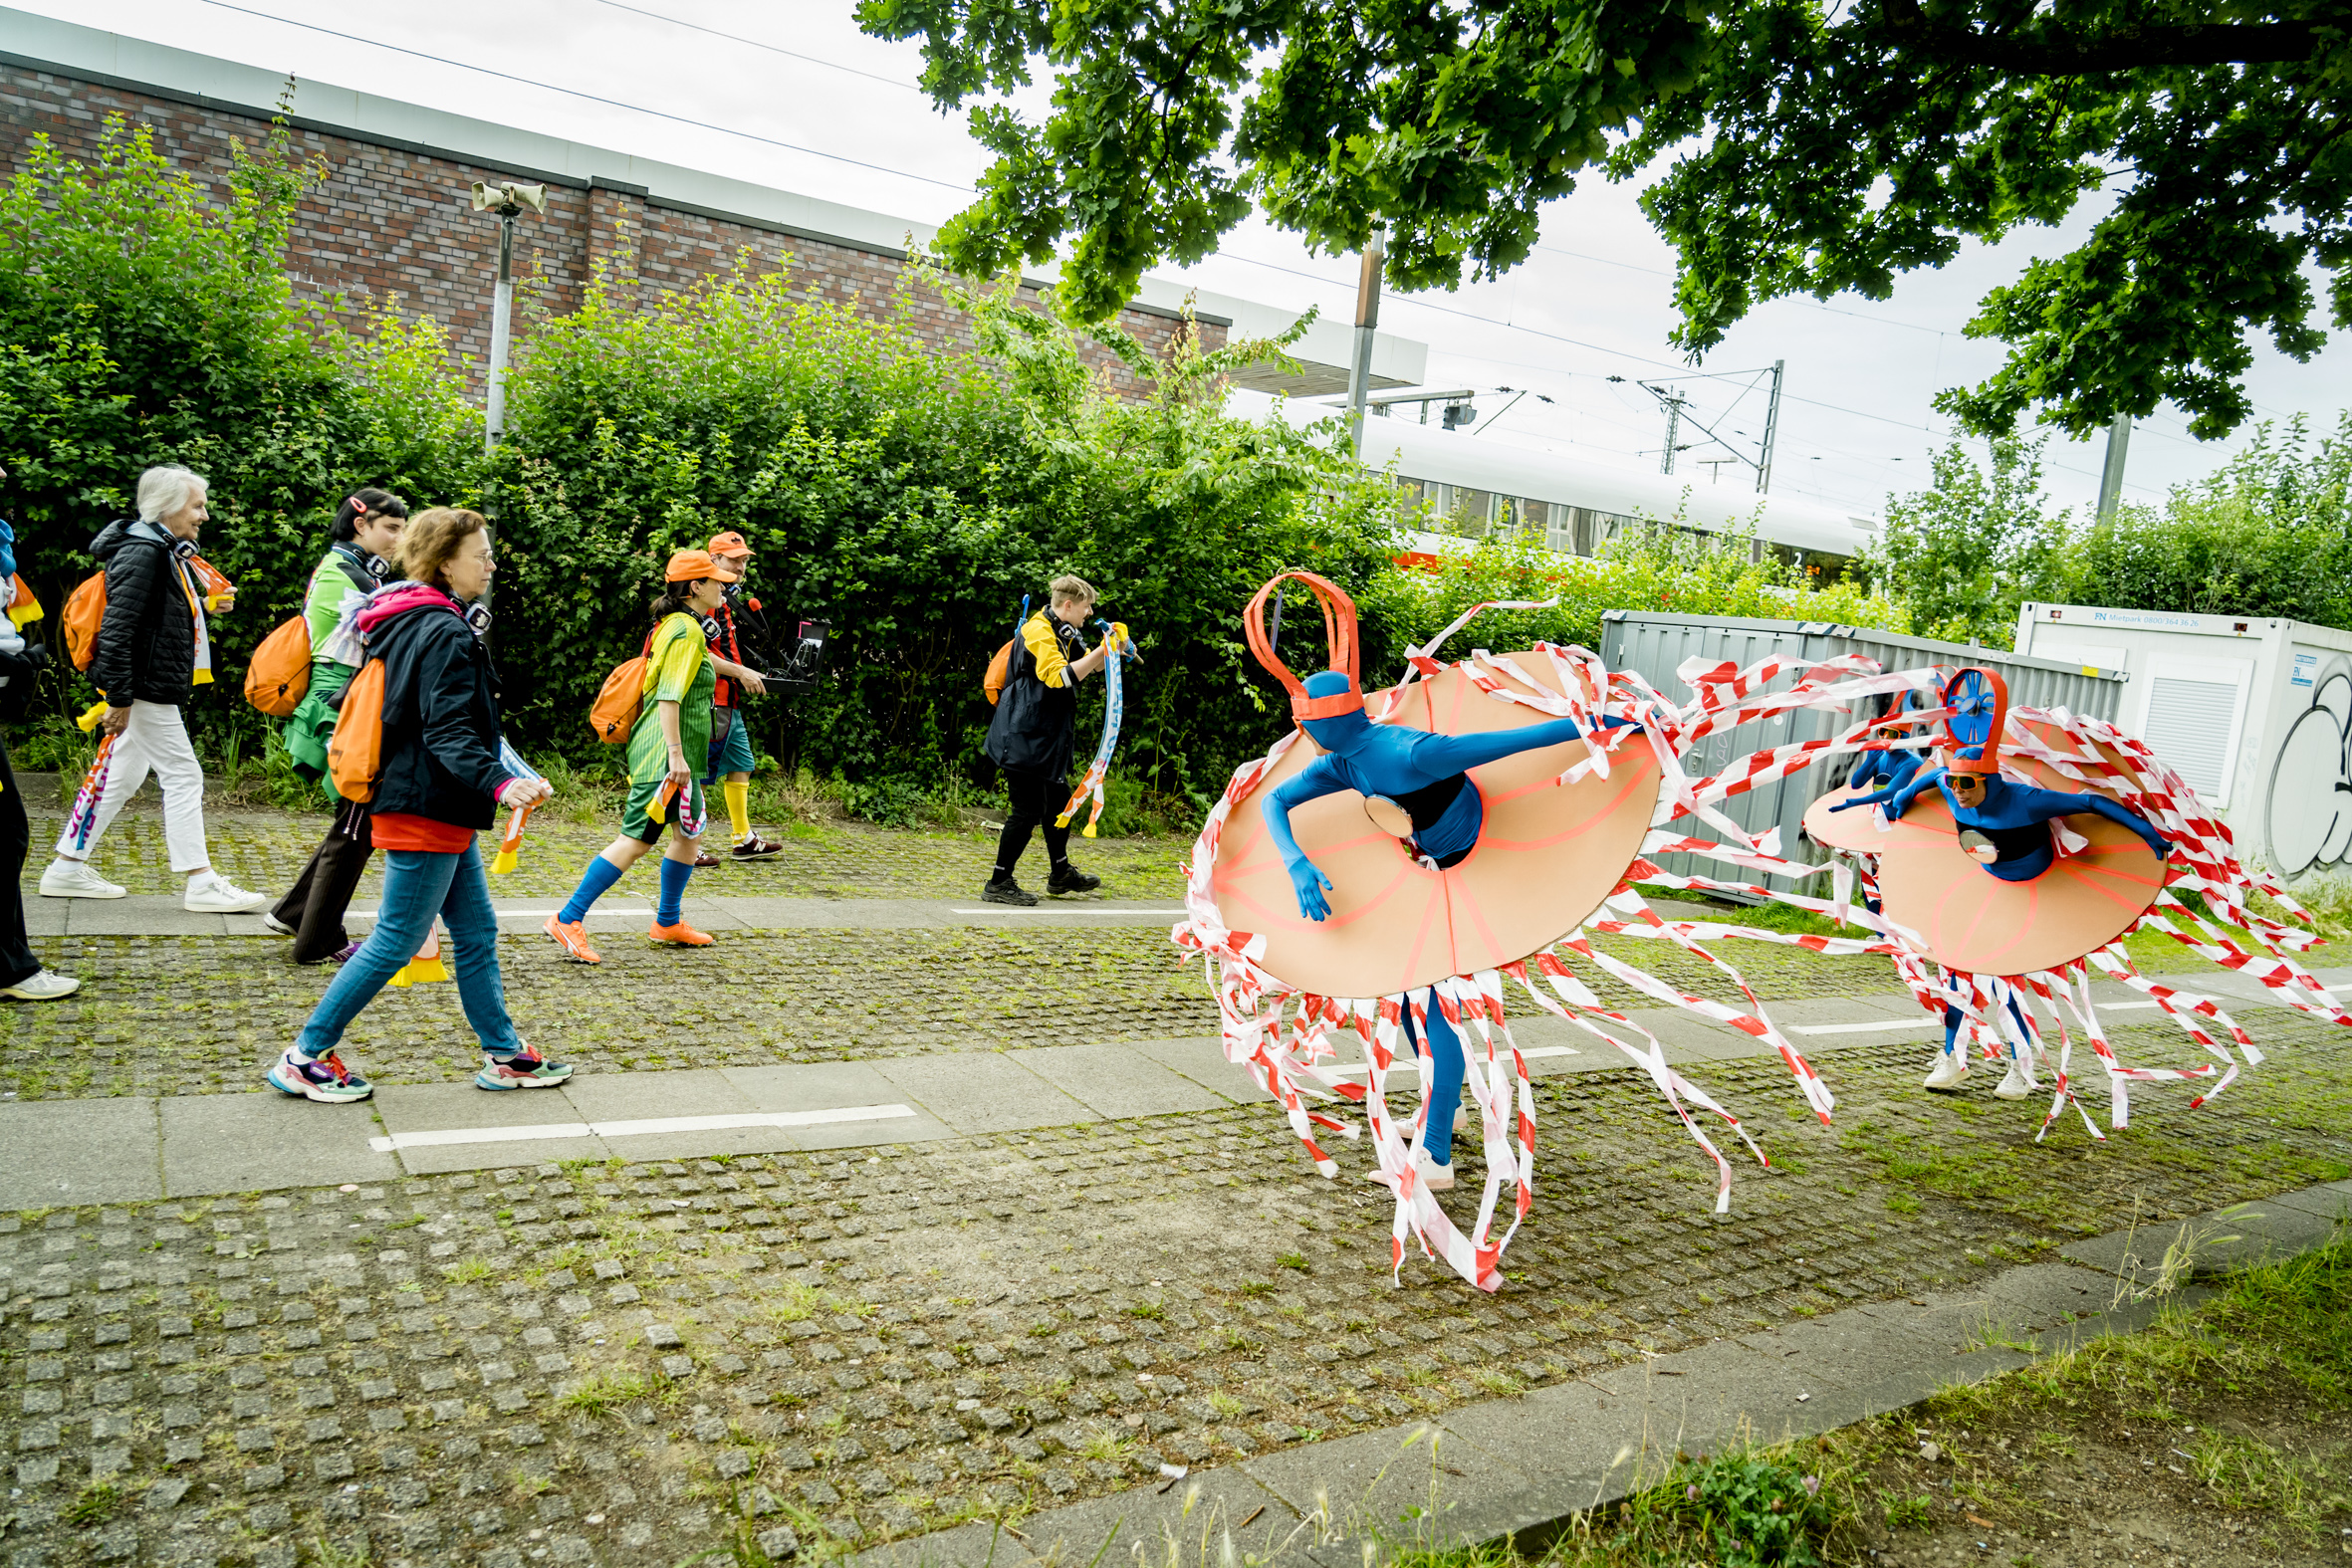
(525, 1069)
(325, 1079)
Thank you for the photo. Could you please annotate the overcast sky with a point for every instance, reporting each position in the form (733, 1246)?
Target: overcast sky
(800, 82)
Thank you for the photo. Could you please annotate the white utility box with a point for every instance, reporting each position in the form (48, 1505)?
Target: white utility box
(2255, 713)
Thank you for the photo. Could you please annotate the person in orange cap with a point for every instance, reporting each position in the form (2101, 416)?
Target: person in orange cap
(666, 749)
(731, 758)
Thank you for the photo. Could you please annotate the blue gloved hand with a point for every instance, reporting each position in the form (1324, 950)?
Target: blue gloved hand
(1310, 884)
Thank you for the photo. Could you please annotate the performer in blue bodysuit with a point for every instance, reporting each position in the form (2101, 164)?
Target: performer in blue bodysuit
(2004, 826)
(1425, 774)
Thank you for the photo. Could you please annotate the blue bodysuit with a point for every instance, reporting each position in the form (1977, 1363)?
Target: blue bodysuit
(1891, 770)
(2016, 818)
(1424, 773)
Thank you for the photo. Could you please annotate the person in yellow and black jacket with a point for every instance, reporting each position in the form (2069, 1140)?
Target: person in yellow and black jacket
(1034, 734)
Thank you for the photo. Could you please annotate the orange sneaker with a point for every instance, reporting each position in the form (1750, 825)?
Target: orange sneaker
(573, 939)
(681, 934)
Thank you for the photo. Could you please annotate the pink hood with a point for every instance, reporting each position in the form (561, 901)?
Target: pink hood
(399, 601)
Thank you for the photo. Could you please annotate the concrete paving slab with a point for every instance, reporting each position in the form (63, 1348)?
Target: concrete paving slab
(1846, 1350)
(149, 915)
(1704, 1397)
(451, 1107)
(1118, 1081)
(973, 1545)
(628, 1096)
(47, 917)
(1202, 1060)
(1183, 1523)
(2212, 1243)
(982, 1093)
(1396, 1482)
(829, 1085)
(867, 914)
(55, 1152)
(2332, 1201)
(809, 1087)
(236, 1143)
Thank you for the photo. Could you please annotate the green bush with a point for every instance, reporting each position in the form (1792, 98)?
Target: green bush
(1663, 569)
(2267, 533)
(911, 498)
(142, 323)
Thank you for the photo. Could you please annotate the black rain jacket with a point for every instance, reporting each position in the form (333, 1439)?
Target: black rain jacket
(1035, 729)
(147, 644)
(440, 717)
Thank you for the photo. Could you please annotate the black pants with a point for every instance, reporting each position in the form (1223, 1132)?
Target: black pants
(17, 963)
(1037, 800)
(315, 905)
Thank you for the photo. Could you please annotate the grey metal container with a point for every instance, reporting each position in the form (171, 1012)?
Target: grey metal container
(1655, 646)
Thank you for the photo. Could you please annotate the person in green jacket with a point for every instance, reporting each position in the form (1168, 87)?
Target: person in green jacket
(367, 534)
(668, 749)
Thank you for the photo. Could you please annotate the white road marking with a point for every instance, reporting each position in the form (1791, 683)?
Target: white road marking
(1360, 1070)
(1062, 909)
(635, 1129)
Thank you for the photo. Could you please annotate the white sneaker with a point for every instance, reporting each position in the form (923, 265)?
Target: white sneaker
(2017, 1084)
(1437, 1178)
(1951, 1068)
(220, 897)
(74, 879)
(274, 926)
(42, 986)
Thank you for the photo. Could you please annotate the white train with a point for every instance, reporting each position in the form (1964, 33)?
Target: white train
(1476, 485)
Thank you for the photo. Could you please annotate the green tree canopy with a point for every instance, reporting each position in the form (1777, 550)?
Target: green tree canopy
(1818, 149)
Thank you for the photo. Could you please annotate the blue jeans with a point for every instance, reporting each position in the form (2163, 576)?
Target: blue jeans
(416, 886)
(1444, 1093)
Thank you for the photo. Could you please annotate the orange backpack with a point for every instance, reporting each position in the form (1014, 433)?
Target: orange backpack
(355, 754)
(1000, 668)
(281, 669)
(1000, 671)
(85, 609)
(614, 712)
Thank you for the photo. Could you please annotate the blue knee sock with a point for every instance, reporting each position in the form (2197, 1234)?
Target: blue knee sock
(674, 873)
(601, 874)
(1445, 1092)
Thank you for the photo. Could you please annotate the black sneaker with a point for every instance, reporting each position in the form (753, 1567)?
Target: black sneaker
(1004, 890)
(1067, 878)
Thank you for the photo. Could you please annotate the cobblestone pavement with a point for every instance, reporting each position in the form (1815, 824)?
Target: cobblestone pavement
(627, 1364)
(202, 1015)
(266, 850)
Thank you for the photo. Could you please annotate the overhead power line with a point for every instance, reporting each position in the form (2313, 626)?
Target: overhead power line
(774, 48)
(609, 103)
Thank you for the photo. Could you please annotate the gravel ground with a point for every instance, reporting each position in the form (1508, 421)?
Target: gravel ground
(629, 1364)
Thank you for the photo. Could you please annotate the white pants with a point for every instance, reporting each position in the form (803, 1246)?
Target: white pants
(154, 741)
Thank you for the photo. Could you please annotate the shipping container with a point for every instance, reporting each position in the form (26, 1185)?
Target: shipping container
(2256, 712)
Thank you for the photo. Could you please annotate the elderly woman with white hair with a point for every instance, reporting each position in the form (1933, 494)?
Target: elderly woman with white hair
(152, 647)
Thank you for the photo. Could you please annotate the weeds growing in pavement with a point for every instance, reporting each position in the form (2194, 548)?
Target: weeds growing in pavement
(95, 1506)
(604, 1388)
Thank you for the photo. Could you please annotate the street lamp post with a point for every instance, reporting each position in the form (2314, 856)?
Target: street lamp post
(507, 200)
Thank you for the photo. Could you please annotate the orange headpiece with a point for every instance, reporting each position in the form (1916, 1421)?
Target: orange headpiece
(1980, 704)
(1339, 635)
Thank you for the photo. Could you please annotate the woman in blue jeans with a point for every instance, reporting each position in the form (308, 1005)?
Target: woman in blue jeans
(440, 783)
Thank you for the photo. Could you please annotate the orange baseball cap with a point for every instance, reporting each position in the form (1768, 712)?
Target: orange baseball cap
(729, 543)
(686, 565)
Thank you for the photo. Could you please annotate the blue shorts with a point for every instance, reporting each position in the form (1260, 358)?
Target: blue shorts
(734, 754)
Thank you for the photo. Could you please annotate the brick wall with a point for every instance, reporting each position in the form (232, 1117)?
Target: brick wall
(394, 223)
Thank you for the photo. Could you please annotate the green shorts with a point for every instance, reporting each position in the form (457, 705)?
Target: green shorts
(637, 821)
